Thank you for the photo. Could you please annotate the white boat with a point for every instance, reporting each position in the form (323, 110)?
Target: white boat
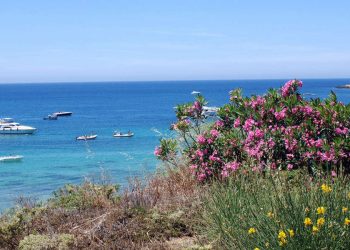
(195, 92)
(51, 117)
(6, 120)
(86, 137)
(15, 128)
(11, 158)
(120, 134)
(63, 113)
(210, 111)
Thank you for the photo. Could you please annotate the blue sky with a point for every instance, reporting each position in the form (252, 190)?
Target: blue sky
(82, 40)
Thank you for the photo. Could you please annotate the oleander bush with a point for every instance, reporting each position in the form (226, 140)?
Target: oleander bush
(278, 130)
(283, 210)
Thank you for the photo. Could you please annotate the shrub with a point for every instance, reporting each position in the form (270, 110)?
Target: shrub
(42, 242)
(248, 212)
(84, 196)
(278, 130)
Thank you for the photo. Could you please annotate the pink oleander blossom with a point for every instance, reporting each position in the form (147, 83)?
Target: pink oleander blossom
(341, 131)
(237, 123)
(214, 133)
(157, 151)
(249, 123)
(201, 139)
(199, 153)
(219, 123)
(281, 115)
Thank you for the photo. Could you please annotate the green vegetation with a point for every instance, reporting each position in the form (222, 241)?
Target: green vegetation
(272, 172)
(34, 242)
(278, 211)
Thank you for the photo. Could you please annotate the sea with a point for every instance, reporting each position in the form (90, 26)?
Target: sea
(53, 157)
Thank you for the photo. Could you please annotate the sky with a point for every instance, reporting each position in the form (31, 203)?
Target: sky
(90, 40)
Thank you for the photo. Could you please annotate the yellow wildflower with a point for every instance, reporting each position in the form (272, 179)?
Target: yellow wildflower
(320, 222)
(291, 233)
(315, 230)
(325, 188)
(347, 222)
(270, 214)
(344, 210)
(307, 221)
(256, 248)
(282, 235)
(282, 238)
(267, 244)
(282, 242)
(320, 210)
(252, 230)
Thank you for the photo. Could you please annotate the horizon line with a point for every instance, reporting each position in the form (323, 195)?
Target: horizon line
(168, 81)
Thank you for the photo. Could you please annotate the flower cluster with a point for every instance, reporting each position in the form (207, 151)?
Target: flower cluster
(279, 130)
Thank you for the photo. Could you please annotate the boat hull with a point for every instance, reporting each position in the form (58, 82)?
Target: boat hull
(63, 113)
(86, 138)
(17, 132)
(120, 136)
(11, 158)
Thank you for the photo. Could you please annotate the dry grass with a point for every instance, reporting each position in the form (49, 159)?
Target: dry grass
(146, 216)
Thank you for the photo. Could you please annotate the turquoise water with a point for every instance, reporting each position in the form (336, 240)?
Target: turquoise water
(52, 156)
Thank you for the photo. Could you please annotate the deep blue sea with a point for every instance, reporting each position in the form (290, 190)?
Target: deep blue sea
(52, 156)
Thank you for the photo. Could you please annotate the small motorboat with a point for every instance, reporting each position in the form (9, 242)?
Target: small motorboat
(120, 134)
(51, 117)
(210, 111)
(63, 113)
(11, 158)
(195, 92)
(86, 137)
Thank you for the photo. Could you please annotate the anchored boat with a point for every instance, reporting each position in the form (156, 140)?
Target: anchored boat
(86, 137)
(51, 117)
(15, 128)
(11, 158)
(63, 113)
(120, 134)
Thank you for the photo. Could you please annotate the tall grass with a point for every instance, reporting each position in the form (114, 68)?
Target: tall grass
(278, 211)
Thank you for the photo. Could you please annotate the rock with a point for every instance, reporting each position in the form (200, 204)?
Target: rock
(345, 86)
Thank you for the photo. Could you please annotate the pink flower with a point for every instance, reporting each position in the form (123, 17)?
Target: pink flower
(281, 115)
(341, 131)
(237, 123)
(289, 166)
(214, 133)
(157, 151)
(318, 143)
(290, 156)
(333, 173)
(327, 156)
(201, 139)
(270, 143)
(219, 123)
(199, 153)
(290, 87)
(197, 106)
(201, 177)
(248, 124)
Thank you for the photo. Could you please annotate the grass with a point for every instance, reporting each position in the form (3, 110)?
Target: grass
(250, 211)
